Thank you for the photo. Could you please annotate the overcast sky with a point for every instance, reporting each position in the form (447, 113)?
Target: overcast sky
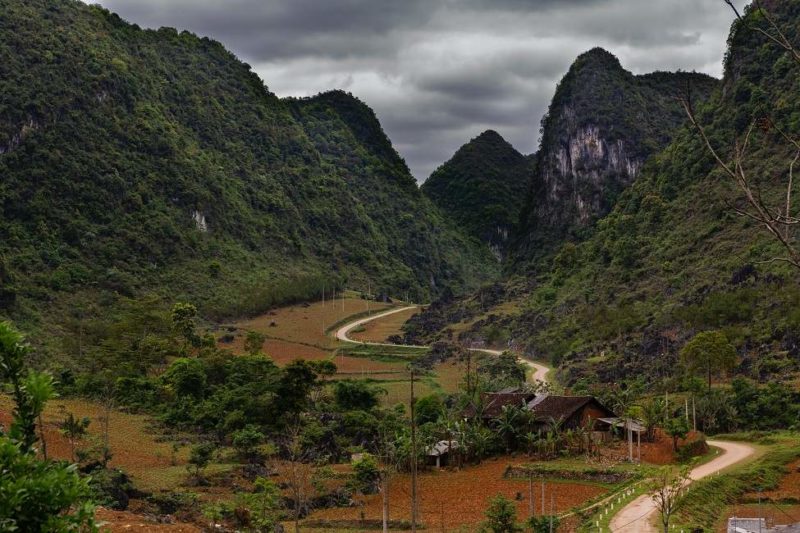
(439, 72)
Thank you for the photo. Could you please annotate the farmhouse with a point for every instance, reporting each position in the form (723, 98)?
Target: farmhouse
(571, 411)
(567, 411)
(440, 453)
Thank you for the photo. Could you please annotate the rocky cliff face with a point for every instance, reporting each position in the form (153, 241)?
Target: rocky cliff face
(602, 125)
(581, 168)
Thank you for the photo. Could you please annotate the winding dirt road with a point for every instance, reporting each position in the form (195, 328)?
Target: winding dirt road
(640, 515)
(539, 371)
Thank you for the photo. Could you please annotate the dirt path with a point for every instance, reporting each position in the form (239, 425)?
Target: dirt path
(539, 371)
(639, 515)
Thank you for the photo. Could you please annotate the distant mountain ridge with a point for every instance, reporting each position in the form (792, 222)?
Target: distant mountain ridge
(482, 188)
(602, 125)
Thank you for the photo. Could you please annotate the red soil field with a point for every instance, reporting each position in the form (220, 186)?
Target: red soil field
(135, 449)
(453, 500)
(789, 486)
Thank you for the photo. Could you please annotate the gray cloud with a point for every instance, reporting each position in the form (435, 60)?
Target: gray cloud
(438, 72)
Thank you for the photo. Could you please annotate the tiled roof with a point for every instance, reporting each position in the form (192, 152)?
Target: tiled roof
(561, 407)
(495, 401)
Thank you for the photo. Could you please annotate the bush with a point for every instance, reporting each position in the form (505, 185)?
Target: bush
(501, 516)
(692, 449)
(355, 395)
(247, 442)
(40, 495)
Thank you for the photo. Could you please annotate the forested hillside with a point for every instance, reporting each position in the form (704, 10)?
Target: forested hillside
(673, 258)
(139, 161)
(483, 188)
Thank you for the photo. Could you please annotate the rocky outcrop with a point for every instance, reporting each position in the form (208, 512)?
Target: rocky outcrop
(602, 125)
(581, 170)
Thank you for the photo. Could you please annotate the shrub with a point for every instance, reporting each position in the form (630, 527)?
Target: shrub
(40, 495)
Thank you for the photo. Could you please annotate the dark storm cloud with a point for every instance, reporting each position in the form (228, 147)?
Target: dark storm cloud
(439, 72)
(286, 28)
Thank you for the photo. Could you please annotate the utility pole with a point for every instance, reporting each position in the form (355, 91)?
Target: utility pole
(543, 509)
(639, 446)
(413, 459)
(630, 439)
(694, 414)
(686, 409)
(469, 374)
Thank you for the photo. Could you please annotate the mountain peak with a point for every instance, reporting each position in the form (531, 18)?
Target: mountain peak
(490, 135)
(599, 57)
(482, 187)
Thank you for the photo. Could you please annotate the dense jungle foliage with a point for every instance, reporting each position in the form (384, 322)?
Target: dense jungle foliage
(154, 161)
(483, 187)
(673, 259)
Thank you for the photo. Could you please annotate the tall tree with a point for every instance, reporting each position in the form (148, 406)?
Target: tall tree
(710, 352)
(34, 495)
(30, 390)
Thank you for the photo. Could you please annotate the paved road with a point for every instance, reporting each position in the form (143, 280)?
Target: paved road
(539, 371)
(640, 515)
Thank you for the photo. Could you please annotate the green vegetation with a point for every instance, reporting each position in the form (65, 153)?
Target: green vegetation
(709, 498)
(602, 125)
(671, 262)
(209, 189)
(709, 351)
(501, 516)
(35, 495)
(483, 187)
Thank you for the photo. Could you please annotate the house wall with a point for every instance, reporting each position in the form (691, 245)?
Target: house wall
(588, 413)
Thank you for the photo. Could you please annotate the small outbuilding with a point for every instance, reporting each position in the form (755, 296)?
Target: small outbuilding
(441, 453)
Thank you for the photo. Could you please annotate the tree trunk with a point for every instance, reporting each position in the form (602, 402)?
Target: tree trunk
(41, 437)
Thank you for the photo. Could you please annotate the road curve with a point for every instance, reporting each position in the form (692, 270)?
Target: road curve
(539, 371)
(639, 515)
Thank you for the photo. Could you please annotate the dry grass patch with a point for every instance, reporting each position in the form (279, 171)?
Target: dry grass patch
(450, 374)
(136, 447)
(122, 521)
(381, 329)
(307, 323)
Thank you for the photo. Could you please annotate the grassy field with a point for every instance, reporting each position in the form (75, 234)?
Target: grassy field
(304, 324)
(306, 331)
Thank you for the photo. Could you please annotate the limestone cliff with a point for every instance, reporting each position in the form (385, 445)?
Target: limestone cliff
(602, 125)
